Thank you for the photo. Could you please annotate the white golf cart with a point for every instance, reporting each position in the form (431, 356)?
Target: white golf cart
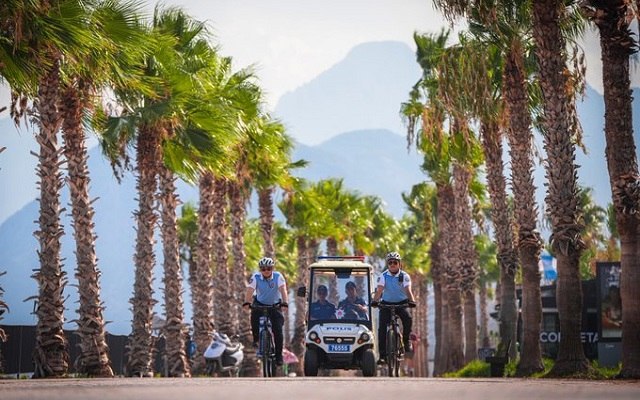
(339, 322)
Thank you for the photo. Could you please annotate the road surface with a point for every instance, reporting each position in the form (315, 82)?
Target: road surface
(324, 388)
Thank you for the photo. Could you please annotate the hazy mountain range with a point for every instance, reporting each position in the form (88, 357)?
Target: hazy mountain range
(357, 100)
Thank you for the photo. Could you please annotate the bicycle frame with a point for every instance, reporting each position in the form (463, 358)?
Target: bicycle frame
(395, 343)
(267, 345)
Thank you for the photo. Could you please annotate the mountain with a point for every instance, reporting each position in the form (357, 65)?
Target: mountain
(373, 162)
(363, 91)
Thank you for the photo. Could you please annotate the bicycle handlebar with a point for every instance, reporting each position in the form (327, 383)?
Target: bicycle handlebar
(394, 306)
(267, 306)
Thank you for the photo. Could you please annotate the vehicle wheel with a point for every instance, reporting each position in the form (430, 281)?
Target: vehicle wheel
(210, 368)
(392, 352)
(368, 363)
(310, 363)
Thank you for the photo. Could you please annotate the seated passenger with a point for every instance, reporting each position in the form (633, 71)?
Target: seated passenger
(352, 307)
(322, 309)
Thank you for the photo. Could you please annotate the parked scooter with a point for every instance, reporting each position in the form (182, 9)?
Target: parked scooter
(223, 356)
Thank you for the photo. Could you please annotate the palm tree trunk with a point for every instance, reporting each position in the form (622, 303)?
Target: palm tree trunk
(201, 286)
(483, 329)
(529, 242)
(141, 342)
(452, 322)
(237, 202)
(617, 44)
(265, 208)
(220, 257)
(94, 352)
(176, 362)
(3, 307)
(439, 304)
(502, 223)
(468, 260)
(299, 329)
(562, 194)
(50, 356)
(421, 361)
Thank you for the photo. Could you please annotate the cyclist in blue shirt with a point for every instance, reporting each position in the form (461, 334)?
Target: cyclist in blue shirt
(321, 308)
(269, 288)
(394, 287)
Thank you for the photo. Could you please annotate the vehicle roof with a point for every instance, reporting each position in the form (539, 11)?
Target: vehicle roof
(338, 262)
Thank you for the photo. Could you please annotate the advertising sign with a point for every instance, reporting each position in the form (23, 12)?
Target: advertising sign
(609, 301)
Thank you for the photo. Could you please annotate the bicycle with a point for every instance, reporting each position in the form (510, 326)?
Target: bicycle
(266, 344)
(395, 342)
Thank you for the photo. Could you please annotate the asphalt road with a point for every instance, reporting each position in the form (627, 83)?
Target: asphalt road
(326, 388)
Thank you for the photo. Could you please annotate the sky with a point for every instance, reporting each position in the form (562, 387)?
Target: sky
(292, 41)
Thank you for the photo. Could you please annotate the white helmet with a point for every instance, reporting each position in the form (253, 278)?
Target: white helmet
(394, 256)
(266, 262)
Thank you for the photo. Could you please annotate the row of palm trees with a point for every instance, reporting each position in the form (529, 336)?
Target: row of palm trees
(182, 111)
(510, 72)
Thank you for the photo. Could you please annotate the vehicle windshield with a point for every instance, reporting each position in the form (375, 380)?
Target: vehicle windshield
(339, 294)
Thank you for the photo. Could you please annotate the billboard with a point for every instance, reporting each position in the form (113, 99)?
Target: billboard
(609, 301)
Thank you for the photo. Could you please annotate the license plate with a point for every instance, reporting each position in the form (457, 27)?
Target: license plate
(339, 347)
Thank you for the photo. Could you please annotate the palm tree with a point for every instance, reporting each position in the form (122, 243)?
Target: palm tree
(38, 36)
(239, 107)
(431, 141)
(201, 279)
(507, 30)
(488, 258)
(418, 239)
(338, 204)
(270, 166)
(120, 35)
(593, 221)
(171, 125)
(239, 190)
(301, 211)
(198, 136)
(559, 131)
(456, 75)
(618, 43)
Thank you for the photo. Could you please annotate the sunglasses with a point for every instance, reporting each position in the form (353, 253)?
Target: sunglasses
(266, 268)
(393, 262)
(322, 292)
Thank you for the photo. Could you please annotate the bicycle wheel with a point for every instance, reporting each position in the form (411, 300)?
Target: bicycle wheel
(399, 351)
(392, 352)
(265, 349)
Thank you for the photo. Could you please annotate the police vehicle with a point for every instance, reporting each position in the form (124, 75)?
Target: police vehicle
(339, 318)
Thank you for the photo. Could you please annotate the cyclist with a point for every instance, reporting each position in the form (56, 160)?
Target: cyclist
(269, 288)
(394, 287)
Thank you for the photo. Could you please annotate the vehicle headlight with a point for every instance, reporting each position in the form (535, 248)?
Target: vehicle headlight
(364, 337)
(313, 336)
